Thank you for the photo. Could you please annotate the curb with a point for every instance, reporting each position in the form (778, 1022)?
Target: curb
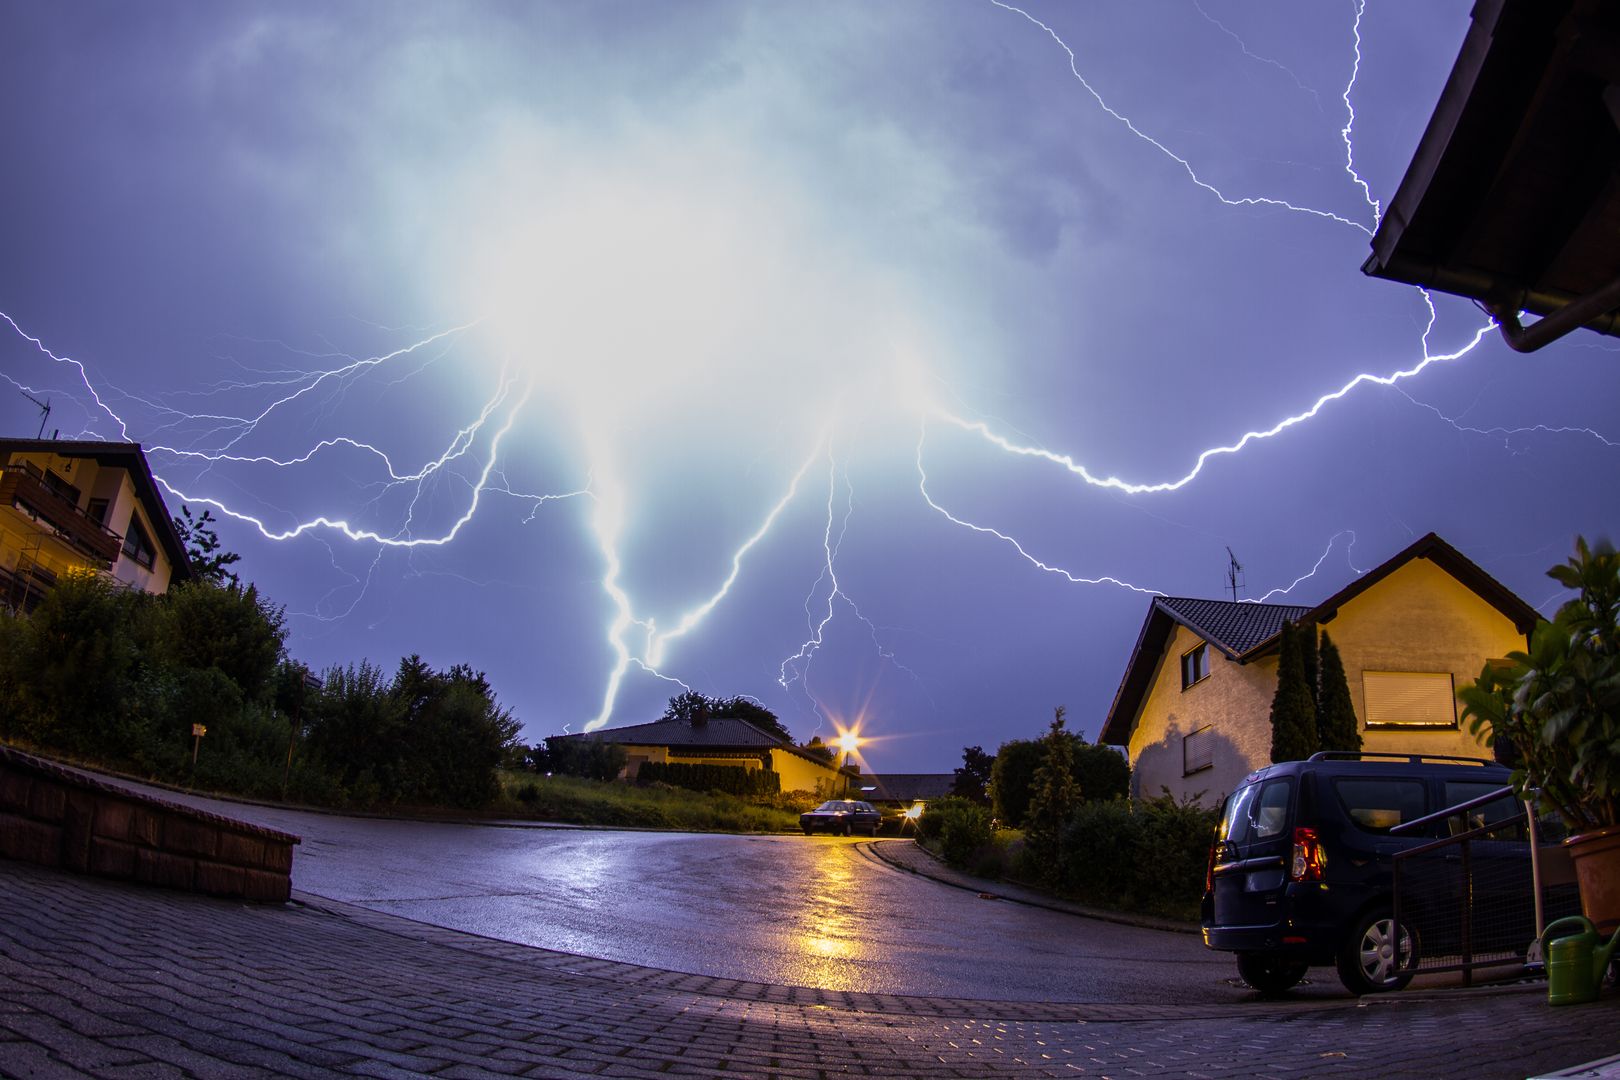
(1025, 896)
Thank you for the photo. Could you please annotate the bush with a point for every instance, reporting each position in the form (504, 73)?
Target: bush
(1148, 855)
(959, 827)
(597, 802)
(731, 779)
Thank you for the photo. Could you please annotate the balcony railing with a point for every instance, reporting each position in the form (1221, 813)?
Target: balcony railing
(20, 487)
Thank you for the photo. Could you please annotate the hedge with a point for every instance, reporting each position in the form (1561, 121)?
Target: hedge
(731, 779)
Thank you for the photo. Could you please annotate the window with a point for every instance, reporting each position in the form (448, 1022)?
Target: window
(1409, 699)
(1258, 811)
(97, 511)
(137, 545)
(1378, 805)
(1198, 750)
(1505, 812)
(1194, 665)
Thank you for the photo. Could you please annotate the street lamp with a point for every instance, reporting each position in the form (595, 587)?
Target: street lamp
(848, 742)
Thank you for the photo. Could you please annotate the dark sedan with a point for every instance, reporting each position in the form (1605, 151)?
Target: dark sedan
(842, 816)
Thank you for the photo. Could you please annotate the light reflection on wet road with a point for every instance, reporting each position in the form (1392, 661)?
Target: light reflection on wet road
(806, 911)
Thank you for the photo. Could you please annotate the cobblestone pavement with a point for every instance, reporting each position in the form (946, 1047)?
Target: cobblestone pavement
(113, 980)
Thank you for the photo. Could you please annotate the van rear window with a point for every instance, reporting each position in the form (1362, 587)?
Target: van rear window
(1258, 811)
(1378, 805)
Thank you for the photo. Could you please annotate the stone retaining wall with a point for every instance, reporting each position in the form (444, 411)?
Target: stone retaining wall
(56, 816)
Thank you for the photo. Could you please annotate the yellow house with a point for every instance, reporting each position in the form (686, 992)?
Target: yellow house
(75, 505)
(725, 740)
(1193, 708)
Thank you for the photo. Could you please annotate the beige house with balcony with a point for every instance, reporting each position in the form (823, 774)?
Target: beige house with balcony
(80, 505)
(1194, 706)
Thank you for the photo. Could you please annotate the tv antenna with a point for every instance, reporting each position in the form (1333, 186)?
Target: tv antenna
(44, 411)
(1234, 574)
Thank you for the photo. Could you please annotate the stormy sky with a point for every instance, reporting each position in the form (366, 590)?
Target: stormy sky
(854, 357)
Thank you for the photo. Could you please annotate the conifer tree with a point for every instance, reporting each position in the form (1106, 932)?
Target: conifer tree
(1052, 800)
(1335, 714)
(1306, 637)
(1293, 708)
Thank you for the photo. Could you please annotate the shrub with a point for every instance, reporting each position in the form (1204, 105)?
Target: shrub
(959, 827)
(730, 779)
(1147, 855)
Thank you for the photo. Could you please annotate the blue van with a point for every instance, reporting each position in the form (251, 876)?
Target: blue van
(1300, 870)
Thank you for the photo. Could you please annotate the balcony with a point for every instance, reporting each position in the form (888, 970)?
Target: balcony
(23, 488)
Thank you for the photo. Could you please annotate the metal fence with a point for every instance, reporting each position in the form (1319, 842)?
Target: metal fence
(1479, 895)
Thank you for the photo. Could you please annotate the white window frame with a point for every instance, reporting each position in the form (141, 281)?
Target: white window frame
(1397, 700)
(1202, 650)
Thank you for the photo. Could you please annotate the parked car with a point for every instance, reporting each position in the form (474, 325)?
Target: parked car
(842, 816)
(1300, 870)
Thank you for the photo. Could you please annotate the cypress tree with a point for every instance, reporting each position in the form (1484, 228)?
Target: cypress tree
(1293, 708)
(1335, 714)
(1306, 637)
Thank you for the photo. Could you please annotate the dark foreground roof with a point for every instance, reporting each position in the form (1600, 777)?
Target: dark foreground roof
(1513, 195)
(1245, 632)
(129, 457)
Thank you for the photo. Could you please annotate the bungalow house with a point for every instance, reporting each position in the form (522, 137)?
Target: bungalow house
(81, 505)
(1193, 708)
(726, 740)
(896, 793)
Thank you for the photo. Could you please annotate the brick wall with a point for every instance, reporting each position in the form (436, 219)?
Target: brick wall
(57, 816)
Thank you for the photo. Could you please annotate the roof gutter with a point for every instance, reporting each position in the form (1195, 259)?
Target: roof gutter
(1567, 319)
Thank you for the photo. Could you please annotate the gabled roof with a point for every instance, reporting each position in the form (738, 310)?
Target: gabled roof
(909, 787)
(129, 457)
(719, 733)
(1245, 632)
(1233, 628)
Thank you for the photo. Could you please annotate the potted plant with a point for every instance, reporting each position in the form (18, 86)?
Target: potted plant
(1557, 706)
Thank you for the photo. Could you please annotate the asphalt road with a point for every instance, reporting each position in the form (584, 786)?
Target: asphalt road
(807, 911)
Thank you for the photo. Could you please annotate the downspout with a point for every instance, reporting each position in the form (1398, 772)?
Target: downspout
(1570, 317)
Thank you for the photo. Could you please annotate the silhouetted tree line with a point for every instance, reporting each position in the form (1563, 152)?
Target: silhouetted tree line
(118, 677)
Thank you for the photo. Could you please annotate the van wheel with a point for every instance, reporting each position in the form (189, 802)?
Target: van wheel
(1269, 973)
(1367, 957)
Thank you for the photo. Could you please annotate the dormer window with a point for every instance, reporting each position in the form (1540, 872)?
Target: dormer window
(137, 545)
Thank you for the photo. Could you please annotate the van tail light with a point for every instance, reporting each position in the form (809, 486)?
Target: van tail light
(1209, 869)
(1309, 860)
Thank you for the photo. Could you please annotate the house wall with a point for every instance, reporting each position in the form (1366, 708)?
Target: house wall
(1420, 618)
(1234, 698)
(94, 481)
(799, 774)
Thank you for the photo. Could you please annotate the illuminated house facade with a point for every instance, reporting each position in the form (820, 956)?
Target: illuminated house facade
(1194, 706)
(69, 505)
(725, 740)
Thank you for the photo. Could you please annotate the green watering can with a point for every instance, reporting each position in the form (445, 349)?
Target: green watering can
(1576, 962)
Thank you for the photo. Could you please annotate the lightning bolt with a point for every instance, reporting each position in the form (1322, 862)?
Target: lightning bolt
(1506, 434)
(1297, 582)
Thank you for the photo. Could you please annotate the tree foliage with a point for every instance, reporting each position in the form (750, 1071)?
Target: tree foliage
(1053, 797)
(1293, 706)
(208, 558)
(1100, 772)
(1336, 722)
(972, 779)
(695, 706)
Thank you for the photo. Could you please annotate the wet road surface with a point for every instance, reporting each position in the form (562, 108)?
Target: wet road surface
(808, 911)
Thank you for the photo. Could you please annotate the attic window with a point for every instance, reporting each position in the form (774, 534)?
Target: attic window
(137, 545)
(1194, 666)
(1409, 699)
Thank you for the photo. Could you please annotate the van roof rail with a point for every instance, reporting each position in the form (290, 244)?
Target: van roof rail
(1415, 759)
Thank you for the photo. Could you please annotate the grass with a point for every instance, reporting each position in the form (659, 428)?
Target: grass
(593, 802)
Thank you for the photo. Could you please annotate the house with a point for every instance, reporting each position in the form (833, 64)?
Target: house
(1194, 705)
(726, 740)
(76, 505)
(896, 793)
(1513, 194)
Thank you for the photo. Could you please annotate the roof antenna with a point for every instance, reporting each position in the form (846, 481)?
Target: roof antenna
(44, 411)
(1234, 574)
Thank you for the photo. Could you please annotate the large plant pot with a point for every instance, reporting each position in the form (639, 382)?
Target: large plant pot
(1596, 856)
